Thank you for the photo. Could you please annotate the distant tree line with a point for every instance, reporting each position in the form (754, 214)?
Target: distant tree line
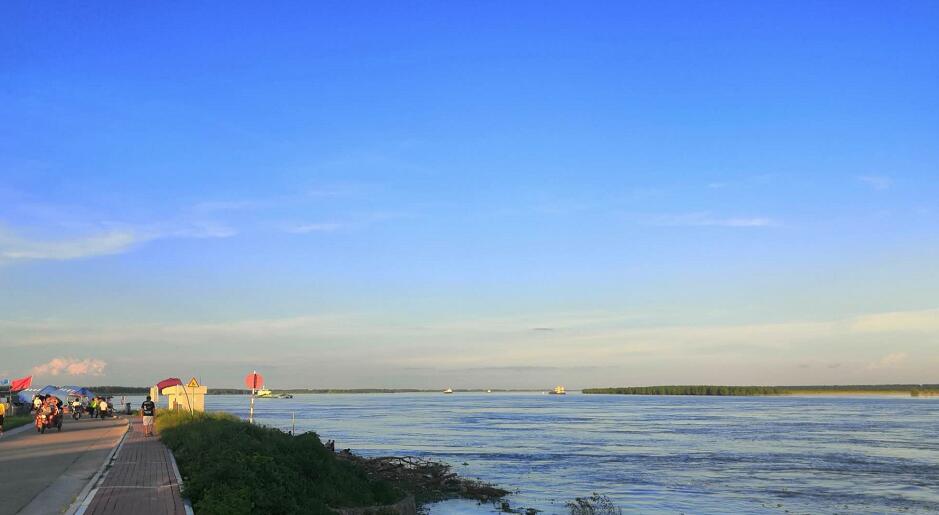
(861, 387)
(914, 389)
(690, 390)
(111, 390)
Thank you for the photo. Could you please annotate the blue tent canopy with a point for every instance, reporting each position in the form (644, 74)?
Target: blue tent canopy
(62, 392)
(78, 391)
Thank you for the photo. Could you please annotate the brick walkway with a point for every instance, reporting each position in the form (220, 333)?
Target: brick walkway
(141, 480)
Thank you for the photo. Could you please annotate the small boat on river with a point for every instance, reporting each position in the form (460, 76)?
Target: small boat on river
(558, 390)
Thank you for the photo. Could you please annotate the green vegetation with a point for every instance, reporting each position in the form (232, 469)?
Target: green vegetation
(232, 467)
(913, 389)
(926, 391)
(13, 421)
(596, 504)
(858, 388)
(689, 390)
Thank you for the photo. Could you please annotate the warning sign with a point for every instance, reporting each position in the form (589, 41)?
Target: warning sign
(193, 383)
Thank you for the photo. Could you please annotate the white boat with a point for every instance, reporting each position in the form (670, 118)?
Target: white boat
(263, 392)
(448, 390)
(558, 390)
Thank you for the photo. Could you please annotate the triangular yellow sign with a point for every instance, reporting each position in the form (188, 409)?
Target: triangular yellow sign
(193, 383)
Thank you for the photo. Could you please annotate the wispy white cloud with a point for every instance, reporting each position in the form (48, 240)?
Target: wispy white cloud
(215, 206)
(926, 320)
(706, 219)
(892, 360)
(877, 182)
(71, 367)
(838, 350)
(17, 248)
(107, 239)
(314, 227)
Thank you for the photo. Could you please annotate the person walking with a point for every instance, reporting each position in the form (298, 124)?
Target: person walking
(147, 411)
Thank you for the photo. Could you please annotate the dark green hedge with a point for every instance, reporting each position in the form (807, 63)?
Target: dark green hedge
(232, 467)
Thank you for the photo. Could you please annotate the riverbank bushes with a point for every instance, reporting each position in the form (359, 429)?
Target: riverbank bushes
(232, 467)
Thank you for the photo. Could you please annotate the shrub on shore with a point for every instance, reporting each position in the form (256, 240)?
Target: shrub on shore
(232, 467)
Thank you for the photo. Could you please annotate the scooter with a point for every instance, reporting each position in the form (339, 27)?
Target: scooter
(77, 412)
(44, 421)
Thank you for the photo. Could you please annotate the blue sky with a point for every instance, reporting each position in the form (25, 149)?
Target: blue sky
(477, 194)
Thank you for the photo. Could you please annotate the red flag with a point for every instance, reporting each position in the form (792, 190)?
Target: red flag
(166, 383)
(21, 383)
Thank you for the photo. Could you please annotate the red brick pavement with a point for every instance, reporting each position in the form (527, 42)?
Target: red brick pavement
(140, 481)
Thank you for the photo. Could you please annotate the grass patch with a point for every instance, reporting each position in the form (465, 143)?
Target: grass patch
(16, 421)
(232, 467)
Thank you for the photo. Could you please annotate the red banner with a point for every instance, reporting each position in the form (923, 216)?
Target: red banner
(21, 383)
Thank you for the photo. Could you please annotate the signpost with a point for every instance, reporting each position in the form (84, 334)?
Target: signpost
(253, 381)
(189, 393)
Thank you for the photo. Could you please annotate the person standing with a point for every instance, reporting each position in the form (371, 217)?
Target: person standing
(3, 412)
(147, 411)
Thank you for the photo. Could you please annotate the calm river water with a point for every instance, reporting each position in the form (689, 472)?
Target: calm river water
(648, 454)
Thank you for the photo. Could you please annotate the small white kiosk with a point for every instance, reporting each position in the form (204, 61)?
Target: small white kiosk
(188, 397)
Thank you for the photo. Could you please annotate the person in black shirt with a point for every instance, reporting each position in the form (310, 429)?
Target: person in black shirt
(147, 410)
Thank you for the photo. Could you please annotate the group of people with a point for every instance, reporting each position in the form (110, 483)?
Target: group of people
(47, 404)
(96, 407)
(100, 407)
(48, 408)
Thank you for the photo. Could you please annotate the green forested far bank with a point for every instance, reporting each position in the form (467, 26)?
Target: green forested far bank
(689, 390)
(915, 389)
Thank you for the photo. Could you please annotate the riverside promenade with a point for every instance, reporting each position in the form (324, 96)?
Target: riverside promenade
(44, 473)
(142, 479)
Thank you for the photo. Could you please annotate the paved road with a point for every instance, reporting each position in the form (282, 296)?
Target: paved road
(43, 473)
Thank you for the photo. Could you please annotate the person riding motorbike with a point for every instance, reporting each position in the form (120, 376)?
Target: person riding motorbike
(45, 414)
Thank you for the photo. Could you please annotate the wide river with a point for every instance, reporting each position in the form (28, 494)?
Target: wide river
(649, 454)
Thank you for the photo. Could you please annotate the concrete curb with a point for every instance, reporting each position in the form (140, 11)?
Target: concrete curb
(179, 481)
(83, 500)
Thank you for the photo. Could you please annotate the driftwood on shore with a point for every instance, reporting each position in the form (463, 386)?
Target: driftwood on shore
(427, 480)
